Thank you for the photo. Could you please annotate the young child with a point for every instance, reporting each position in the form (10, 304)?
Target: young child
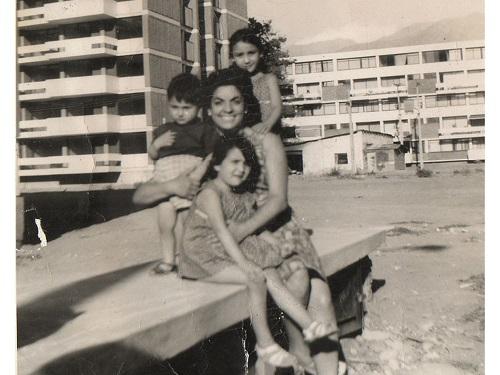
(179, 147)
(209, 247)
(247, 53)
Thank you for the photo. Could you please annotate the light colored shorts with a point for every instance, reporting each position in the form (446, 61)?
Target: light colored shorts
(170, 167)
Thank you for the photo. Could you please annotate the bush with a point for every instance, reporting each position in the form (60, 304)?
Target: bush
(334, 173)
(424, 173)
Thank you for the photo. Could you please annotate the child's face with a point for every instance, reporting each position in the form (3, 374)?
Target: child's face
(182, 112)
(234, 169)
(246, 56)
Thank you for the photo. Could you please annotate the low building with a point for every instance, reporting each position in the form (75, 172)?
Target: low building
(330, 154)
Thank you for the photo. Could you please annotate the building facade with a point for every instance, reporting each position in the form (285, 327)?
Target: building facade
(452, 114)
(92, 83)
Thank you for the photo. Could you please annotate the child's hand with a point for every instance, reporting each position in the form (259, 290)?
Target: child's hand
(253, 272)
(167, 139)
(261, 128)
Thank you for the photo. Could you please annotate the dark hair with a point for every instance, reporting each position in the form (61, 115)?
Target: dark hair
(222, 148)
(185, 87)
(241, 80)
(247, 35)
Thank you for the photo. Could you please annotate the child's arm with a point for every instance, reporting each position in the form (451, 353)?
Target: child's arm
(276, 105)
(209, 202)
(167, 139)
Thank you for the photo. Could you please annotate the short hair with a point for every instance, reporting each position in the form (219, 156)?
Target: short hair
(185, 87)
(222, 148)
(241, 80)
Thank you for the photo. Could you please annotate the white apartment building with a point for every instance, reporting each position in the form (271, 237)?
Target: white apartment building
(92, 83)
(452, 117)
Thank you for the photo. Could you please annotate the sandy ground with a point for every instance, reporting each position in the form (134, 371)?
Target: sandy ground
(426, 315)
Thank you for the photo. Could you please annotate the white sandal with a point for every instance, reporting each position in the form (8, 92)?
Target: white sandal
(310, 368)
(276, 356)
(318, 330)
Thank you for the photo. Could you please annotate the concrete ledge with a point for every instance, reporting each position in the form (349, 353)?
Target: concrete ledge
(160, 316)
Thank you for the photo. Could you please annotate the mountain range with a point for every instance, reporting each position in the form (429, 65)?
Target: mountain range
(470, 27)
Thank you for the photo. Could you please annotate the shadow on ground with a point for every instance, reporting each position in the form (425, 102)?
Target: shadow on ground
(50, 312)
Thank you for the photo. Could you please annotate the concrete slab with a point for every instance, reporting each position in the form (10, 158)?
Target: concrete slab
(160, 316)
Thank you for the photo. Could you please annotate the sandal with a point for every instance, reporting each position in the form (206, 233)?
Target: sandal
(310, 368)
(164, 268)
(276, 356)
(318, 330)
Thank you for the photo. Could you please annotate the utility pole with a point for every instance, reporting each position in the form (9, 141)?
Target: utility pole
(419, 124)
(351, 138)
(398, 126)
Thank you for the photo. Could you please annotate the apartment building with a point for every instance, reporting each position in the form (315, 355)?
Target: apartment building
(452, 113)
(92, 83)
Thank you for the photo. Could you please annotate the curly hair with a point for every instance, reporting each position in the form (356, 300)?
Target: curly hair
(241, 80)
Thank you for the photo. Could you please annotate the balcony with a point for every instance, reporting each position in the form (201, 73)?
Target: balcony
(72, 49)
(463, 132)
(76, 11)
(80, 86)
(77, 125)
(69, 164)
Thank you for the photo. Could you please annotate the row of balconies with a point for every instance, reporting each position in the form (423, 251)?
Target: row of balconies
(80, 86)
(71, 49)
(452, 85)
(81, 164)
(76, 11)
(77, 125)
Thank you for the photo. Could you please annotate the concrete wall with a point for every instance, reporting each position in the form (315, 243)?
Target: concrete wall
(169, 8)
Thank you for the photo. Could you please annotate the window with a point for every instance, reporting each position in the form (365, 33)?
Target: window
(344, 126)
(341, 158)
(329, 108)
(389, 127)
(451, 77)
(442, 55)
(345, 82)
(429, 75)
(327, 83)
(343, 107)
(127, 28)
(389, 104)
(314, 67)
(356, 63)
(454, 122)
(400, 59)
(188, 47)
(188, 13)
(309, 89)
(393, 81)
(364, 84)
(365, 106)
(476, 97)
(476, 75)
(432, 101)
(476, 53)
(127, 66)
(413, 76)
(373, 126)
(289, 69)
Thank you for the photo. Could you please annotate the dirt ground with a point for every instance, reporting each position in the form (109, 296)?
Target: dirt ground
(426, 314)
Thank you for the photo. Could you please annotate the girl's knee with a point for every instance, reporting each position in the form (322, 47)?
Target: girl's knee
(298, 283)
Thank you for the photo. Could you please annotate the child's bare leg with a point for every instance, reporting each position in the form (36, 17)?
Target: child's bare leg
(286, 300)
(257, 293)
(267, 349)
(179, 230)
(167, 215)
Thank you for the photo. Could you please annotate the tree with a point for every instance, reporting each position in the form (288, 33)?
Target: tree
(275, 56)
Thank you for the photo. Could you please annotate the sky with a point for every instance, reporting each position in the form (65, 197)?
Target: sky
(309, 21)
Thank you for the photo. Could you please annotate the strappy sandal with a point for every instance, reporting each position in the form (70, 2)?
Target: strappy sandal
(163, 268)
(318, 330)
(310, 368)
(276, 356)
